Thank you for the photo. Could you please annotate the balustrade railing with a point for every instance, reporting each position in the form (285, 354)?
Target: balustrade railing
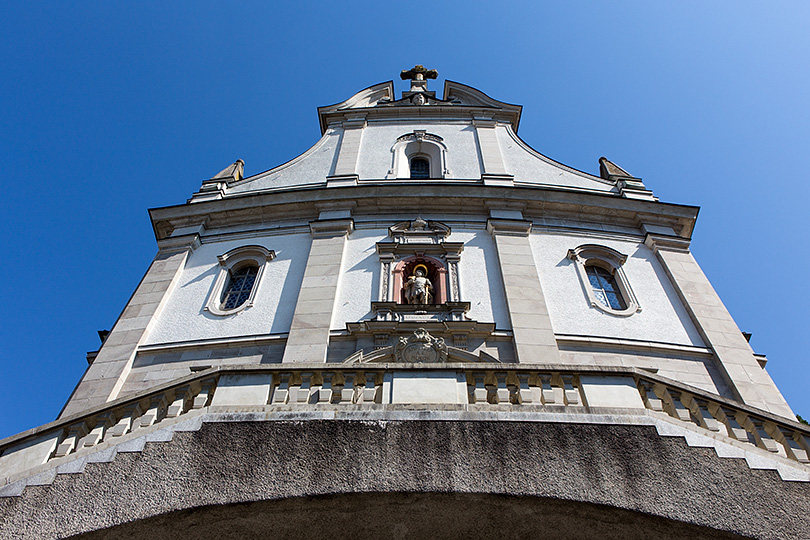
(487, 386)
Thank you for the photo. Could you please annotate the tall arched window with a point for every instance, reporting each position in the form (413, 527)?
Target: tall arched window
(420, 168)
(603, 279)
(240, 273)
(240, 284)
(605, 288)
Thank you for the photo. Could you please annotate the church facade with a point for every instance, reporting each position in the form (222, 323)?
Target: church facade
(419, 327)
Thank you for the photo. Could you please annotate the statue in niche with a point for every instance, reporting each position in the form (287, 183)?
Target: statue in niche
(418, 289)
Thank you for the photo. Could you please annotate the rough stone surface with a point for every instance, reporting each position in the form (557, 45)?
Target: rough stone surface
(298, 479)
(410, 515)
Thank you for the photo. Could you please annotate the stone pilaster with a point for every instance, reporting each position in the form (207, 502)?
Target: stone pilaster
(309, 332)
(734, 356)
(494, 170)
(106, 375)
(349, 152)
(528, 314)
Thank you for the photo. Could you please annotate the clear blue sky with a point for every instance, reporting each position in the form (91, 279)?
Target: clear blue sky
(110, 108)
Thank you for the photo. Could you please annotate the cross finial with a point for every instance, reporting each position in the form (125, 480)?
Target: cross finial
(418, 75)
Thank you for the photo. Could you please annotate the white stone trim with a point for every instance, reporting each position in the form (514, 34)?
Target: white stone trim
(418, 144)
(231, 261)
(612, 261)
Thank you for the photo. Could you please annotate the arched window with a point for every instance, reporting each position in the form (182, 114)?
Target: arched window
(420, 168)
(605, 288)
(419, 155)
(239, 277)
(603, 279)
(240, 284)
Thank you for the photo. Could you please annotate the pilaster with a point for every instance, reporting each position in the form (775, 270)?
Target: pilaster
(494, 171)
(346, 167)
(106, 375)
(525, 301)
(736, 360)
(309, 332)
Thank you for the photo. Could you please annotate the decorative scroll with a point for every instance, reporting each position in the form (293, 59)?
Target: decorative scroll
(454, 288)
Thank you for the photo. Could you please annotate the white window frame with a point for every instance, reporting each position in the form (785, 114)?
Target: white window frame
(418, 144)
(232, 261)
(612, 261)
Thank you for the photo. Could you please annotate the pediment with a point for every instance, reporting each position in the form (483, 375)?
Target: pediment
(369, 97)
(463, 95)
(419, 230)
(381, 96)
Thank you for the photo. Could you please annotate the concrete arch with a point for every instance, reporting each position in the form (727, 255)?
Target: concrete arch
(400, 515)
(629, 472)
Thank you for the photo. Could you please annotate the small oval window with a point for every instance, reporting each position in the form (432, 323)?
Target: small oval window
(240, 283)
(420, 168)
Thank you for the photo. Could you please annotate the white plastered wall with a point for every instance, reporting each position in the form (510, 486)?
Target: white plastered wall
(527, 166)
(661, 319)
(361, 277)
(184, 317)
(376, 158)
(311, 167)
(479, 277)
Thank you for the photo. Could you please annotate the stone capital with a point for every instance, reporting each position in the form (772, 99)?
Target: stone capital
(657, 242)
(179, 243)
(328, 228)
(509, 227)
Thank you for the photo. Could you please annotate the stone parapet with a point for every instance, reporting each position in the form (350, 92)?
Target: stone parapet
(586, 392)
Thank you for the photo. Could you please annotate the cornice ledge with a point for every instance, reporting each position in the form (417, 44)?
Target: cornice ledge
(328, 228)
(509, 227)
(658, 242)
(179, 243)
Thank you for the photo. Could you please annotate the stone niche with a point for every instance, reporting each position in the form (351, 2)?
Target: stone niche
(416, 246)
(418, 249)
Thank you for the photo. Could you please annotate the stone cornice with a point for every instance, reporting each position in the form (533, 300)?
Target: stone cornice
(443, 197)
(327, 228)
(179, 243)
(509, 227)
(658, 242)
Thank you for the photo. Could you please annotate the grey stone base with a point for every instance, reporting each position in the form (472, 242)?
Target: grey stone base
(374, 516)
(229, 477)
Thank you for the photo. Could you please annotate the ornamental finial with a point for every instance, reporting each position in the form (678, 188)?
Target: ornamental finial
(418, 76)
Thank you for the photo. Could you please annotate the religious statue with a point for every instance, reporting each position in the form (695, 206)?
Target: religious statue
(418, 289)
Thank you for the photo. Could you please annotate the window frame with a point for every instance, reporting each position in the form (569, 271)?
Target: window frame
(421, 157)
(233, 261)
(419, 143)
(611, 260)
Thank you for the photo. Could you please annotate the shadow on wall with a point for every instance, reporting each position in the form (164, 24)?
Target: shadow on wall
(409, 515)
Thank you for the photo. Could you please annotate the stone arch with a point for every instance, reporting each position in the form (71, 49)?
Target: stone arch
(409, 515)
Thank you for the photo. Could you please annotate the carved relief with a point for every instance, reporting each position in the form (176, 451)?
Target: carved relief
(386, 274)
(419, 135)
(454, 287)
(420, 347)
(419, 231)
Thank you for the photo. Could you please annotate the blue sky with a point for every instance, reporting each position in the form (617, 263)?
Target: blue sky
(110, 108)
